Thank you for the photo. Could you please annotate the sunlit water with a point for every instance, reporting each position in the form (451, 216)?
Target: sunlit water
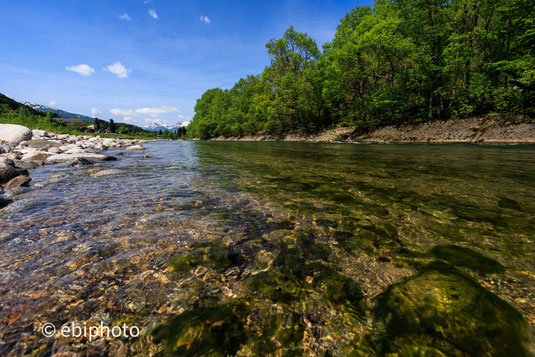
(274, 248)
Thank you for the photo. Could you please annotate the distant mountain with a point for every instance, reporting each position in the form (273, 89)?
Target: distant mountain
(46, 109)
(157, 127)
(12, 104)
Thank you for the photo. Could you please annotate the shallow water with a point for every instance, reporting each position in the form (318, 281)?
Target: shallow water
(278, 248)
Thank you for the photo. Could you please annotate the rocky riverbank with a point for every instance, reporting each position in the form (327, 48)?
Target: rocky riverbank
(22, 150)
(492, 129)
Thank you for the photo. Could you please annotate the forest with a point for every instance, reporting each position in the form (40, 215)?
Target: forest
(394, 62)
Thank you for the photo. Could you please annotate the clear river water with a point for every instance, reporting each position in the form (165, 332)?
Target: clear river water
(276, 248)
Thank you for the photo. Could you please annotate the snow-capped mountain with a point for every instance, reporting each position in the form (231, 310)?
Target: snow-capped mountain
(45, 109)
(154, 127)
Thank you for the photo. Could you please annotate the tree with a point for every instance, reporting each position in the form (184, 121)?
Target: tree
(112, 127)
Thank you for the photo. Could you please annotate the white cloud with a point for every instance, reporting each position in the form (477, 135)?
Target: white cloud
(125, 113)
(52, 103)
(154, 112)
(81, 69)
(205, 19)
(125, 17)
(95, 112)
(153, 14)
(118, 69)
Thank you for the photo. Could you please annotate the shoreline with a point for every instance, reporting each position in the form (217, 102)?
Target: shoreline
(22, 150)
(492, 129)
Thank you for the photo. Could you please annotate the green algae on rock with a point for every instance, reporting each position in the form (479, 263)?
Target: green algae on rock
(442, 311)
(467, 258)
(201, 332)
(211, 254)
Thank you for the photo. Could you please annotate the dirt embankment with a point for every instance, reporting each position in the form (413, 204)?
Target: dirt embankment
(489, 129)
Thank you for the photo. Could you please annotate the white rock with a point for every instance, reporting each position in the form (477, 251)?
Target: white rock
(59, 158)
(135, 147)
(14, 133)
(55, 150)
(75, 151)
(41, 133)
(36, 156)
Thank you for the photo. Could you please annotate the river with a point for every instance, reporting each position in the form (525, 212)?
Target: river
(257, 248)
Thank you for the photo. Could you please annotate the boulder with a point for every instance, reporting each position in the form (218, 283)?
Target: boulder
(12, 133)
(19, 181)
(7, 173)
(135, 147)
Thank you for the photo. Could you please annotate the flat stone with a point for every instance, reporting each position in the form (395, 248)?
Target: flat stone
(62, 158)
(36, 156)
(42, 144)
(107, 173)
(135, 147)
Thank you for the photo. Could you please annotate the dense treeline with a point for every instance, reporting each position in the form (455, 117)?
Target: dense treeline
(398, 61)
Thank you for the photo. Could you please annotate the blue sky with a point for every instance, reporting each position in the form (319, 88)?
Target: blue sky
(144, 61)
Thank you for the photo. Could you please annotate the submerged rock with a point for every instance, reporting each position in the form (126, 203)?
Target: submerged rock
(201, 332)
(467, 258)
(107, 173)
(442, 311)
(4, 202)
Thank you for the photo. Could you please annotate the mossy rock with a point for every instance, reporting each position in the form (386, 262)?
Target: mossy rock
(216, 256)
(442, 311)
(282, 334)
(509, 204)
(467, 258)
(201, 332)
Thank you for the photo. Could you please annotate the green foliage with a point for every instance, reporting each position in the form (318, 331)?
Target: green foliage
(398, 61)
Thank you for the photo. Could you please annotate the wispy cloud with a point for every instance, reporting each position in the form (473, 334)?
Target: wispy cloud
(95, 112)
(18, 70)
(81, 69)
(52, 103)
(125, 17)
(205, 19)
(153, 14)
(118, 69)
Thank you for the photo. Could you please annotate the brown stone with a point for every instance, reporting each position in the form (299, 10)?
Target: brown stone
(18, 181)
